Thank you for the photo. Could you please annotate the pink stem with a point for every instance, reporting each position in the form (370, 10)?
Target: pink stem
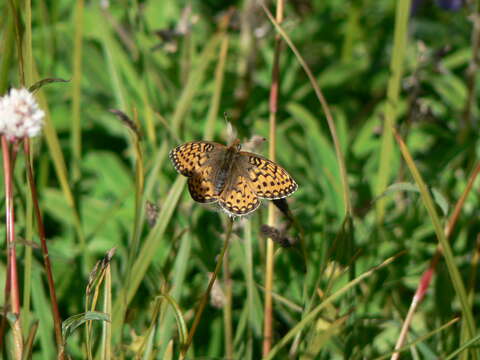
(10, 222)
(12, 254)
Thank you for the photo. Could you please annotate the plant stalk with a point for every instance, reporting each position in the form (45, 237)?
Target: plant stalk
(12, 281)
(270, 264)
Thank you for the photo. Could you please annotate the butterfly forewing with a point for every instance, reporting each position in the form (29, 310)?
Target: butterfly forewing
(267, 179)
(190, 157)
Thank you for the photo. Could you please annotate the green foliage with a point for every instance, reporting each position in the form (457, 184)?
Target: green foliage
(174, 68)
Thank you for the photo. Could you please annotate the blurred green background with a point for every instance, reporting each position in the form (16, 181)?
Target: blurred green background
(175, 67)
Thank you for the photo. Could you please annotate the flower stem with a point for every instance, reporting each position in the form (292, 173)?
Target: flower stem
(12, 255)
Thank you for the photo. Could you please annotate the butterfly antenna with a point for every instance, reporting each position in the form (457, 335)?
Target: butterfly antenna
(231, 132)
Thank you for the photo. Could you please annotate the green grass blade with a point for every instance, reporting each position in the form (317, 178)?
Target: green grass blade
(76, 127)
(402, 14)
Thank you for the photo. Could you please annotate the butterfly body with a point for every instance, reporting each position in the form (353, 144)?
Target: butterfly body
(226, 168)
(233, 178)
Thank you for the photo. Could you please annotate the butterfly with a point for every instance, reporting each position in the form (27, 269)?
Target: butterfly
(236, 179)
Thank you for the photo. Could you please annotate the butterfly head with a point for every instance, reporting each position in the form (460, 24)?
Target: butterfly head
(235, 145)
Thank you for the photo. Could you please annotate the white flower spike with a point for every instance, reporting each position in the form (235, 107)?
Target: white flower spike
(20, 115)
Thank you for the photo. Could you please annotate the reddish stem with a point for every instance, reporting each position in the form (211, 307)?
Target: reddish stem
(10, 223)
(12, 254)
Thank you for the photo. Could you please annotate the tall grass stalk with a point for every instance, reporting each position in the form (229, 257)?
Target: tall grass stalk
(272, 215)
(402, 14)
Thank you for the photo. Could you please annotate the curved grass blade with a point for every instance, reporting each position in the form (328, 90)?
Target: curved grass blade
(73, 322)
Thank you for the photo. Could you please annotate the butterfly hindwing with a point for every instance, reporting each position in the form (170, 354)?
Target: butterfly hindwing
(201, 186)
(238, 198)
